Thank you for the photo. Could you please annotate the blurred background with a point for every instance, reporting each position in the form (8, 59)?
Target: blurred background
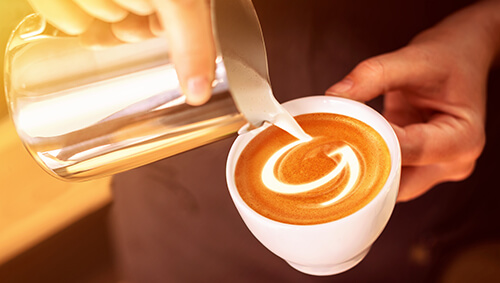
(50, 230)
(53, 231)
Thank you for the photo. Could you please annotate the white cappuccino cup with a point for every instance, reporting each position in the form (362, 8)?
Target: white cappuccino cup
(336, 246)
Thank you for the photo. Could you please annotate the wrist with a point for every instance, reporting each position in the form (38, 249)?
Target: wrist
(473, 32)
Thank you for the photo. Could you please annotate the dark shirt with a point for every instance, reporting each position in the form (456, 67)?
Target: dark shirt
(175, 222)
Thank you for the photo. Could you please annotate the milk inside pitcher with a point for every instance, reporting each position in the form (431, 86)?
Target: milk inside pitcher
(84, 113)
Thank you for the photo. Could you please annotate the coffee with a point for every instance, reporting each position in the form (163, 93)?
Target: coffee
(341, 170)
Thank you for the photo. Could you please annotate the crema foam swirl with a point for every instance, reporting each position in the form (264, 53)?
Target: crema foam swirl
(339, 171)
(347, 158)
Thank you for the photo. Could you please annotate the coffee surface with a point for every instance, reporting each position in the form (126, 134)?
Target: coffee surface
(291, 181)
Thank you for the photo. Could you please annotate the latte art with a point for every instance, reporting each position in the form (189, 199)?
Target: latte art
(333, 175)
(348, 158)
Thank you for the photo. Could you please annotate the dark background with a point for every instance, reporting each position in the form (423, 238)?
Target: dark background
(451, 234)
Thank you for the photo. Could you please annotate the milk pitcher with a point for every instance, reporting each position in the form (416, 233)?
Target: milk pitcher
(84, 113)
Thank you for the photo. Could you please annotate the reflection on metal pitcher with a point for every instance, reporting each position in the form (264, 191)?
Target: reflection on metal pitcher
(85, 113)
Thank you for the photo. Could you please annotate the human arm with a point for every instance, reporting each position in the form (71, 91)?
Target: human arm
(435, 95)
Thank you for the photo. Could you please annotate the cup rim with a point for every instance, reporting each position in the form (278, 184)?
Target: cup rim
(394, 150)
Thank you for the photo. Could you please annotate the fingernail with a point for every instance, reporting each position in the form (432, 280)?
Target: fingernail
(198, 90)
(340, 87)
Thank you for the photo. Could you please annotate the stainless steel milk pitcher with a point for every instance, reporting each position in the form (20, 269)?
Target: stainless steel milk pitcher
(85, 113)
